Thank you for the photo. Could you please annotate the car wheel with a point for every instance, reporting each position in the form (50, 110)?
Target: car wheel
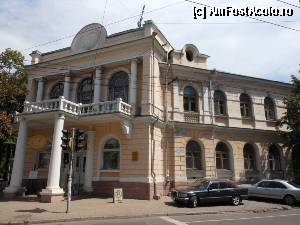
(236, 200)
(289, 200)
(193, 202)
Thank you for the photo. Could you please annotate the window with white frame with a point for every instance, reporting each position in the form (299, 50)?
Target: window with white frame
(43, 160)
(222, 156)
(118, 86)
(193, 156)
(57, 90)
(249, 157)
(189, 99)
(219, 103)
(274, 158)
(111, 155)
(85, 91)
(245, 105)
(269, 109)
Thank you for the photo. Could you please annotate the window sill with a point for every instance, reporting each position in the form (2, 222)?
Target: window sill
(271, 120)
(248, 118)
(109, 171)
(42, 169)
(221, 115)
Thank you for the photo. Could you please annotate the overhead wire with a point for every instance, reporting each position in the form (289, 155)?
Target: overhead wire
(287, 3)
(250, 17)
(109, 24)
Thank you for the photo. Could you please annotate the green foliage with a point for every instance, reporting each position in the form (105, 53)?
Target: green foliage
(291, 119)
(13, 90)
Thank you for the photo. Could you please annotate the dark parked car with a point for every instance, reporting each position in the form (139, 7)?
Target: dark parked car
(208, 191)
(284, 190)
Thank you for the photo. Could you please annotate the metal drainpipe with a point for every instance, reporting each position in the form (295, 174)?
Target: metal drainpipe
(153, 175)
(166, 117)
(212, 123)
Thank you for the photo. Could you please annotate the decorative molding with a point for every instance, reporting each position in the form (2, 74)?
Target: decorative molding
(127, 128)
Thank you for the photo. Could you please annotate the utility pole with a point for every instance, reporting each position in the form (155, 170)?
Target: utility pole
(141, 18)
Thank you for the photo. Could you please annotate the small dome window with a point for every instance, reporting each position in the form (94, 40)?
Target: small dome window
(189, 55)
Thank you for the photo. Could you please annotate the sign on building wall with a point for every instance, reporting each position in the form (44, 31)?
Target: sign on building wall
(179, 152)
(181, 132)
(118, 195)
(134, 156)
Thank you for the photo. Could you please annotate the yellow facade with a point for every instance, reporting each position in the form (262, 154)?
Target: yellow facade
(153, 125)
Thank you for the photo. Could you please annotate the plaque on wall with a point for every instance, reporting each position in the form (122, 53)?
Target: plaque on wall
(33, 174)
(181, 132)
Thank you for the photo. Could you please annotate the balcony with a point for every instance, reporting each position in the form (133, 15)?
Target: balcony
(77, 109)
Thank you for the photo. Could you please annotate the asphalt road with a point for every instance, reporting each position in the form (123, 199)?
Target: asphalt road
(273, 218)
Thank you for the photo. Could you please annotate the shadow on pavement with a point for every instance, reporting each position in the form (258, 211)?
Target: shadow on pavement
(178, 205)
(36, 210)
(272, 201)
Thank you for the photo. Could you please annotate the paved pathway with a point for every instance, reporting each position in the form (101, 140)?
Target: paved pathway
(95, 208)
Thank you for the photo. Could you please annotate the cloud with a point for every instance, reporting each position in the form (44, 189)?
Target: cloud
(254, 49)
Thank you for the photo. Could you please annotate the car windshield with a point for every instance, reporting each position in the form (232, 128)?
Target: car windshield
(293, 184)
(201, 184)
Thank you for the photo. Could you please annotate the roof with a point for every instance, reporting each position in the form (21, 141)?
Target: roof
(214, 71)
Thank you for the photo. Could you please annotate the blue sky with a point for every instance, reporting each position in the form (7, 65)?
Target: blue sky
(240, 46)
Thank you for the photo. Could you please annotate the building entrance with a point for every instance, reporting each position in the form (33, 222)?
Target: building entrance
(78, 171)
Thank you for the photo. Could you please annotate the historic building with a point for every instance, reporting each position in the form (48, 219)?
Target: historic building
(155, 117)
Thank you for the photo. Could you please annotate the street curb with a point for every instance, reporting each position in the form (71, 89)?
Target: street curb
(144, 215)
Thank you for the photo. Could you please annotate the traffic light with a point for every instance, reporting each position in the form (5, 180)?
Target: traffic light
(65, 140)
(80, 140)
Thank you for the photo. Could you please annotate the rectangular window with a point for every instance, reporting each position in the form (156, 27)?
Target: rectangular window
(43, 160)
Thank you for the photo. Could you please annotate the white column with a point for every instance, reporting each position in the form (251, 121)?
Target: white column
(176, 108)
(18, 167)
(88, 176)
(97, 85)
(40, 90)
(31, 88)
(55, 159)
(206, 106)
(67, 86)
(133, 86)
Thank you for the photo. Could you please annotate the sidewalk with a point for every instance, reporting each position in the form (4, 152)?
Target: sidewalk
(18, 212)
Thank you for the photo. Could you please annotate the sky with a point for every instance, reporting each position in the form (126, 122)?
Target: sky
(235, 44)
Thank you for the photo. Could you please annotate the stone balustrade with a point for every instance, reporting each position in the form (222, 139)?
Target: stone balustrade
(76, 109)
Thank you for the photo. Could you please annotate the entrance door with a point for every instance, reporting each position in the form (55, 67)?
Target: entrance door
(78, 171)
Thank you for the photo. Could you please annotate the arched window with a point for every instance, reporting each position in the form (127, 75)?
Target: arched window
(269, 109)
(189, 99)
(219, 103)
(111, 155)
(249, 157)
(57, 90)
(85, 91)
(118, 86)
(193, 156)
(245, 105)
(222, 156)
(274, 158)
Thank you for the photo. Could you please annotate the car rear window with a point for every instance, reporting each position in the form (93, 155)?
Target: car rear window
(275, 184)
(293, 184)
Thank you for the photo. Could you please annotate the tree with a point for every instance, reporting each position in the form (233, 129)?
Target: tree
(291, 121)
(12, 94)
